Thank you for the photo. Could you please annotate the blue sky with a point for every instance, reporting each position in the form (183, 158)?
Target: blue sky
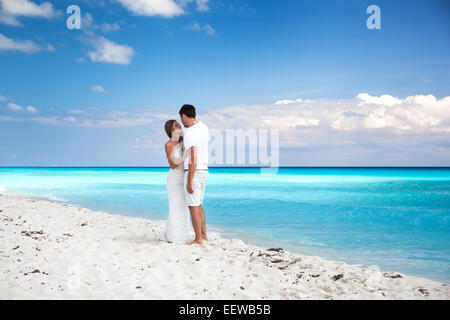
(100, 95)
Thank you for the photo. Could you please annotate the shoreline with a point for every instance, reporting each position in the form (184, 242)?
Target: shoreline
(311, 249)
(52, 250)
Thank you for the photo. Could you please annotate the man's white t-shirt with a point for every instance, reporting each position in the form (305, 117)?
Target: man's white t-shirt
(197, 136)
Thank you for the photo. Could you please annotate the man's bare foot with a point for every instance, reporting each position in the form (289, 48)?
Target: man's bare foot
(205, 238)
(194, 242)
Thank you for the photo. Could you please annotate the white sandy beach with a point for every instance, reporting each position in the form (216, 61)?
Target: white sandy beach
(54, 251)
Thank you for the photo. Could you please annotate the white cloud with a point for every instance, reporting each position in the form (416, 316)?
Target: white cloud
(17, 108)
(98, 89)
(76, 111)
(49, 47)
(26, 46)
(88, 24)
(9, 20)
(90, 117)
(109, 27)
(117, 119)
(27, 8)
(109, 52)
(164, 8)
(201, 5)
(419, 113)
(288, 101)
(364, 119)
(70, 119)
(209, 30)
(385, 99)
(362, 123)
(195, 26)
(2, 98)
(11, 9)
(145, 142)
(31, 109)
(413, 114)
(87, 21)
(14, 107)
(106, 51)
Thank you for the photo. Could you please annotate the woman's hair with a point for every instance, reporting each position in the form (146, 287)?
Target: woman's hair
(169, 127)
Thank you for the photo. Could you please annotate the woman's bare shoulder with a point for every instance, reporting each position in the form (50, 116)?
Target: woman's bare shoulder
(170, 145)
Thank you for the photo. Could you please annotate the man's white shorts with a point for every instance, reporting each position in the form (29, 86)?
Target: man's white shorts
(198, 185)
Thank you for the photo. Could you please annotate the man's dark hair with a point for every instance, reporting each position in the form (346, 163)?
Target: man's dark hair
(188, 110)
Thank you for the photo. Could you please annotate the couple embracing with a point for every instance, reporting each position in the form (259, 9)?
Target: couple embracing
(187, 154)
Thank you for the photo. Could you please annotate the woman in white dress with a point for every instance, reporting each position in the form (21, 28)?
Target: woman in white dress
(177, 225)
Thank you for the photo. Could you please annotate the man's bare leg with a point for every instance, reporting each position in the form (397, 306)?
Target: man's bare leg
(204, 234)
(196, 224)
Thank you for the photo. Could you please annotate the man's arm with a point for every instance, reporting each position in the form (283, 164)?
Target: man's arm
(192, 168)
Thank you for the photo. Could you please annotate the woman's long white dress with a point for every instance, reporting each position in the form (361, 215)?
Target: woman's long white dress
(176, 228)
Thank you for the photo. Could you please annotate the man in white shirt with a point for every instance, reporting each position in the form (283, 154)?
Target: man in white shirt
(196, 139)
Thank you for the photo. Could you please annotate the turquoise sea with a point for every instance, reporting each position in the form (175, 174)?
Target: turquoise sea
(395, 218)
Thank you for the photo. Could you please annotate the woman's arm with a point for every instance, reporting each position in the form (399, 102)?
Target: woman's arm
(168, 156)
(181, 160)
